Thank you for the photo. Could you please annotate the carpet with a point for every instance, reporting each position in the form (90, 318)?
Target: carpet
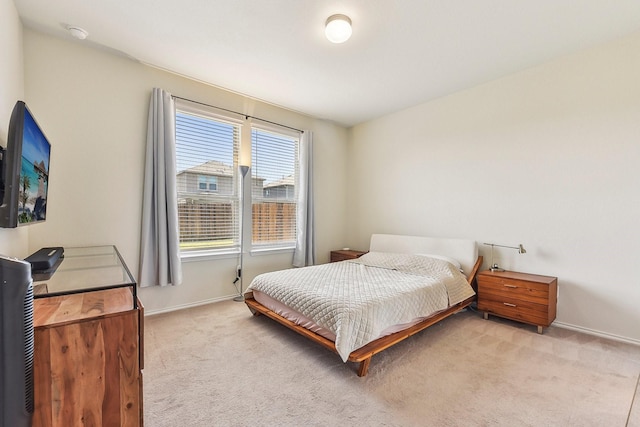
(217, 365)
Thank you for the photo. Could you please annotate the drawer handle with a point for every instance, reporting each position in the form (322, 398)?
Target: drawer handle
(508, 304)
(510, 286)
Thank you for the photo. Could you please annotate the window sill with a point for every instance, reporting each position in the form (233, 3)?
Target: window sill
(195, 256)
(271, 251)
(204, 255)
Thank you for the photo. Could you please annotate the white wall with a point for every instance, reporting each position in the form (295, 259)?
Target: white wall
(13, 242)
(93, 106)
(547, 157)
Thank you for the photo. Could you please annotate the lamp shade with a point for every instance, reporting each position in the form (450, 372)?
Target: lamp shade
(338, 28)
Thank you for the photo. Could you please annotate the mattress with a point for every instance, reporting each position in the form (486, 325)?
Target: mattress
(356, 301)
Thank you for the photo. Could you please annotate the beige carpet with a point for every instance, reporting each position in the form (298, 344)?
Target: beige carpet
(217, 365)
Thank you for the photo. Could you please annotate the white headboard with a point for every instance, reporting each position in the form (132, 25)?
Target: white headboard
(462, 250)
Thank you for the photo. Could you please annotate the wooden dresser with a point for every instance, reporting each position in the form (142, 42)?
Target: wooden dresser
(345, 254)
(88, 343)
(88, 360)
(527, 298)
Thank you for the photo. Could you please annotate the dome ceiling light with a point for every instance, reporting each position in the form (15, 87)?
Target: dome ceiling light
(338, 28)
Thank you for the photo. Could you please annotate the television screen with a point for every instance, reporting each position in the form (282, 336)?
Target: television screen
(26, 171)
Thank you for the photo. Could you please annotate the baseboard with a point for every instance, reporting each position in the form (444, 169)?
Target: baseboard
(596, 333)
(185, 306)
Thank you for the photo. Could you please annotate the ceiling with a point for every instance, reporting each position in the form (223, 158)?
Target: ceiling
(402, 52)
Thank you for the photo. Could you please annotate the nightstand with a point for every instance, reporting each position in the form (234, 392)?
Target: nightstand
(345, 254)
(527, 298)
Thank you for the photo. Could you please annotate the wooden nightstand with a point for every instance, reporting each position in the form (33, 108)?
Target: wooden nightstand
(345, 254)
(527, 298)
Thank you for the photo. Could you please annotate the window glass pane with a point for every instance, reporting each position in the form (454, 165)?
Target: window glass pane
(274, 174)
(208, 201)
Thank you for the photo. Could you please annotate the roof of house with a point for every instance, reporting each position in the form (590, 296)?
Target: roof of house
(217, 168)
(287, 180)
(212, 167)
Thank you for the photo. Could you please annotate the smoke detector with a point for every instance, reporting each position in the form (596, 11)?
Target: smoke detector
(77, 32)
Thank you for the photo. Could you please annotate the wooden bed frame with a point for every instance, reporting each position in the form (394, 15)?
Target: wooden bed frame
(364, 354)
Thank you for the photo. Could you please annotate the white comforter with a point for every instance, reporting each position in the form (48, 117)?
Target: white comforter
(358, 299)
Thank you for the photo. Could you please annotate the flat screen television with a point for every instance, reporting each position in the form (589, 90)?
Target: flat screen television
(24, 171)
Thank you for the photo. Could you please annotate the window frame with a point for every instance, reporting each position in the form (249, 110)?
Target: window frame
(286, 133)
(208, 181)
(244, 145)
(186, 107)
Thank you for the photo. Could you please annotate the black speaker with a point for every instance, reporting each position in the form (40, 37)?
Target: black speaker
(16, 343)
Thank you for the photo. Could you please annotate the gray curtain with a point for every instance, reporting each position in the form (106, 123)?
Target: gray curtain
(305, 252)
(159, 242)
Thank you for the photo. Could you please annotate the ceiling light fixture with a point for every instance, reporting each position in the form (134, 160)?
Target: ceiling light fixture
(338, 28)
(77, 32)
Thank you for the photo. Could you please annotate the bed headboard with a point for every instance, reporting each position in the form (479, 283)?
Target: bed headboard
(465, 251)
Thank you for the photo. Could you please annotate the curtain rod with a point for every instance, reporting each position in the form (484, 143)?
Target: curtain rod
(247, 116)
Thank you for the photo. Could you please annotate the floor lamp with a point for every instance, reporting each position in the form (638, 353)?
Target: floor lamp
(240, 297)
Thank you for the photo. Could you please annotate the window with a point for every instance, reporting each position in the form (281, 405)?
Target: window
(274, 159)
(207, 180)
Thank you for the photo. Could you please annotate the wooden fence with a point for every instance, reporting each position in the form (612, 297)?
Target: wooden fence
(273, 222)
(205, 221)
(202, 221)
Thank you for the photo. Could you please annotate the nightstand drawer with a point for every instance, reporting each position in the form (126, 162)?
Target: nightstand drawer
(504, 282)
(514, 307)
(523, 312)
(525, 291)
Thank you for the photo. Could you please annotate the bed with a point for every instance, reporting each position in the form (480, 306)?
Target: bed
(358, 308)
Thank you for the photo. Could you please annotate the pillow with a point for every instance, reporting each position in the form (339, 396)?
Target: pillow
(444, 258)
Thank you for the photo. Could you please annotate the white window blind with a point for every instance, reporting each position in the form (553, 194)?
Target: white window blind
(207, 176)
(274, 160)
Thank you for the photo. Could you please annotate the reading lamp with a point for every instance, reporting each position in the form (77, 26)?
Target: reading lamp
(243, 171)
(494, 266)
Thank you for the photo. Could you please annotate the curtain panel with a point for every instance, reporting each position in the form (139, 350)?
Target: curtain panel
(305, 251)
(159, 242)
